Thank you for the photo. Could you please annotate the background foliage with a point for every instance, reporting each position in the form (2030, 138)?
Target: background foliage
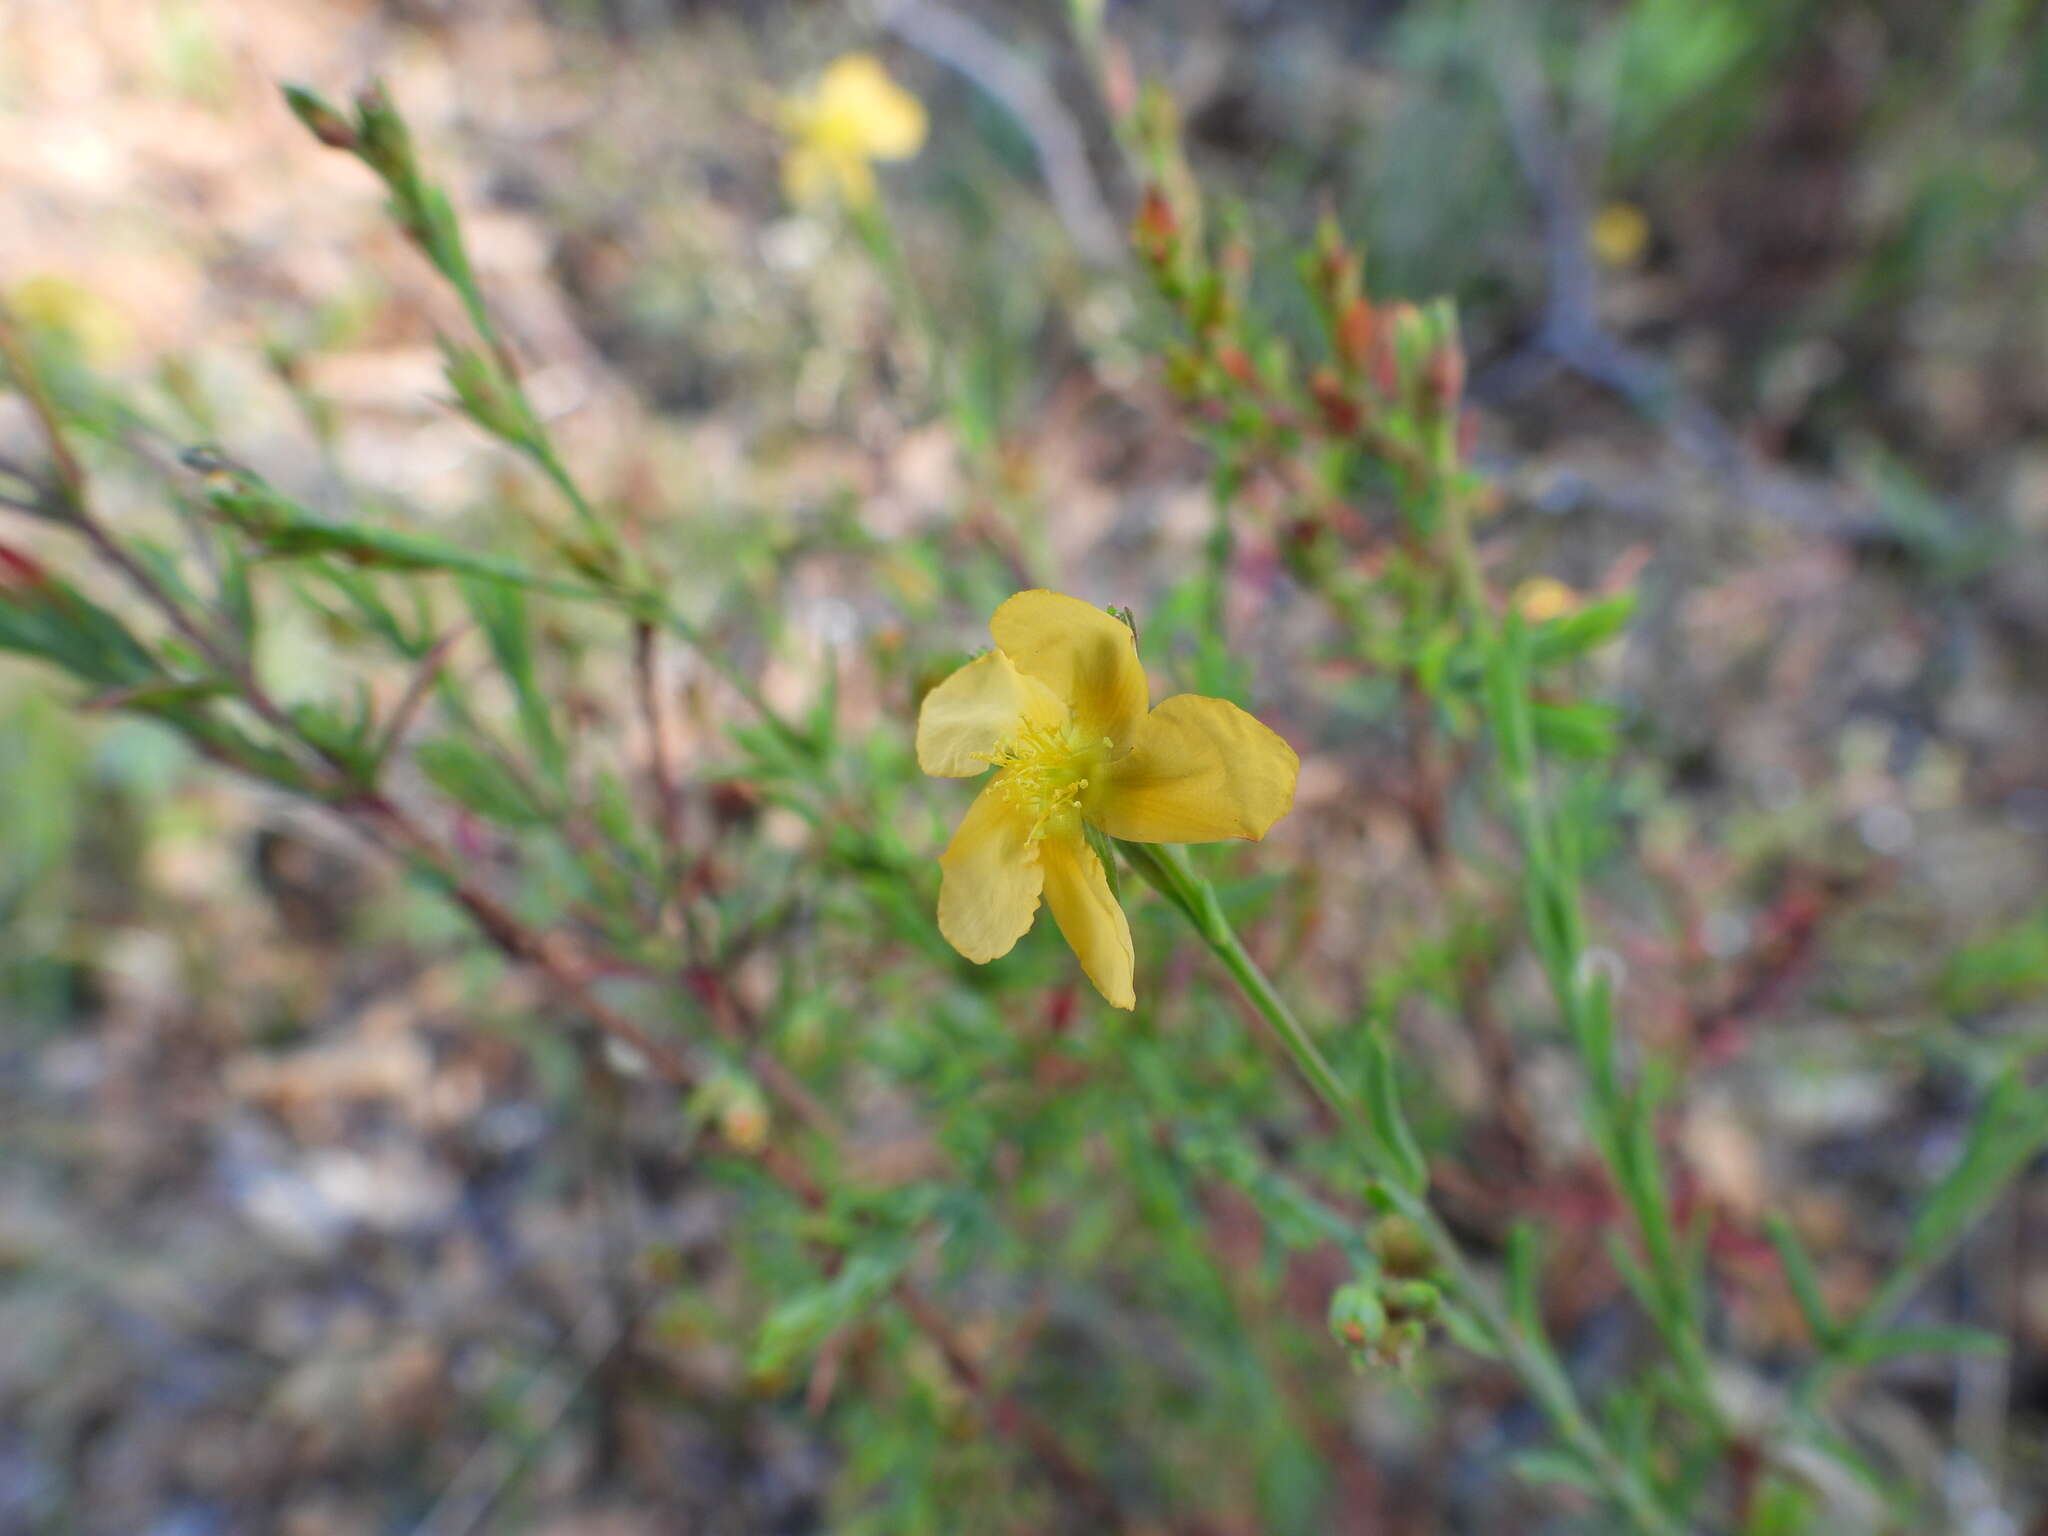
(478, 1053)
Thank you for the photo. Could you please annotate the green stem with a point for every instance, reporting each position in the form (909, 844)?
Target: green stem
(1530, 1355)
(877, 234)
(1552, 882)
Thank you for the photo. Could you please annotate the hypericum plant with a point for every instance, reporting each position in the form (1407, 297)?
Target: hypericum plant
(640, 895)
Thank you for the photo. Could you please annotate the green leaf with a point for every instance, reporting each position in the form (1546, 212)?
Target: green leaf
(500, 612)
(1525, 1278)
(1574, 634)
(238, 598)
(1802, 1277)
(160, 695)
(366, 607)
(617, 818)
(284, 530)
(2009, 1129)
(1585, 731)
(1556, 1468)
(467, 774)
(804, 1321)
(1507, 697)
(1782, 1507)
(2006, 968)
(1633, 1275)
(1469, 1332)
(1383, 1094)
(1897, 1342)
(52, 620)
(345, 735)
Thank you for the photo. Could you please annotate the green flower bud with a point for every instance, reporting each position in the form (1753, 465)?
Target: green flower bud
(1357, 1318)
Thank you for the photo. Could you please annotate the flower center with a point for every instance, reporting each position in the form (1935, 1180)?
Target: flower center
(1045, 770)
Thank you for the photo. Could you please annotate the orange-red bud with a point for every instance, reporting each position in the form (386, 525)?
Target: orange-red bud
(1357, 328)
(1233, 361)
(19, 572)
(1156, 229)
(1339, 411)
(1301, 532)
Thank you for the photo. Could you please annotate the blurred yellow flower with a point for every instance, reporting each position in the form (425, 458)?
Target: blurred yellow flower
(1544, 597)
(854, 116)
(95, 324)
(1620, 234)
(1059, 710)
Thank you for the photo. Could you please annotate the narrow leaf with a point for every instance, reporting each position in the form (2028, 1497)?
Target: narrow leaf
(1803, 1279)
(1898, 1342)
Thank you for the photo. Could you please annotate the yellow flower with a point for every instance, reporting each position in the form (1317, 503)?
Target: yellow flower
(1059, 710)
(854, 116)
(94, 323)
(1619, 235)
(1542, 598)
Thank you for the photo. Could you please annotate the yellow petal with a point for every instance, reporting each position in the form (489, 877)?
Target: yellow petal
(869, 109)
(1085, 656)
(1078, 892)
(974, 710)
(856, 179)
(989, 879)
(1198, 770)
(1544, 597)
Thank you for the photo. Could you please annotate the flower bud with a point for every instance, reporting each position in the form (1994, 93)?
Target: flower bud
(21, 574)
(1339, 411)
(1357, 329)
(744, 1124)
(735, 1103)
(320, 118)
(1357, 1318)
(1156, 229)
(487, 393)
(1411, 1300)
(1233, 361)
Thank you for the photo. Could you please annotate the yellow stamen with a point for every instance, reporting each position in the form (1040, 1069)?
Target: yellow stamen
(1045, 770)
